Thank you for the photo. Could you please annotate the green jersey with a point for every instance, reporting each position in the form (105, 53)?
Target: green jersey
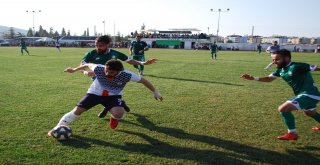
(213, 47)
(298, 76)
(96, 58)
(23, 45)
(137, 46)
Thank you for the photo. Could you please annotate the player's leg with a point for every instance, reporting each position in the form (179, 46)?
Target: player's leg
(310, 105)
(27, 51)
(288, 119)
(105, 111)
(21, 50)
(142, 59)
(215, 55)
(117, 113)
(115, 103)
(84, 104)
(136, 58)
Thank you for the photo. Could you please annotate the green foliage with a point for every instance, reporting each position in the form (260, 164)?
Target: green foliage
(209, 115)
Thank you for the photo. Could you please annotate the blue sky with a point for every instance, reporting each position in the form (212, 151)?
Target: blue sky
(272, 17)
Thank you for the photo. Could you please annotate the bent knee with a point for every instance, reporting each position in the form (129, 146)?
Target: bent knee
(309, 113)
(117, 112)
(286, 107)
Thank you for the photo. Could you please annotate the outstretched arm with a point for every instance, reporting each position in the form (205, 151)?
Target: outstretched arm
(81, 67)
(261, 79)
(135, 62)
(147, 84)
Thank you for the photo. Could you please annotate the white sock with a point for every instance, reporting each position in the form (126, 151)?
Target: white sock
(67, 118)
(292, 131)
(269, 66)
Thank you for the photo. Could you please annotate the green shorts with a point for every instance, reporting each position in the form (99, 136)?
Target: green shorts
(303, 102)
(138, 58)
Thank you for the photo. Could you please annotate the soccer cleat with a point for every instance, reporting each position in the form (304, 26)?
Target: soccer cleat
(103, 113)
(126, 108)
(288, 136)
(317, 128)
(113, 123)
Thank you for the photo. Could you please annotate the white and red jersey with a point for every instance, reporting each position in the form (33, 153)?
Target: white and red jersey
(104, 86)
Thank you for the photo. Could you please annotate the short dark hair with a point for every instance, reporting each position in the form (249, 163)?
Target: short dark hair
(283, 53)
(114, 65)
(104, 39)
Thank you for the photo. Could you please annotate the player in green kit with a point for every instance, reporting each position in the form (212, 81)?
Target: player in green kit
(214, 50)
(137, 50)
(102, 54)
(23, 46)
(307, 95)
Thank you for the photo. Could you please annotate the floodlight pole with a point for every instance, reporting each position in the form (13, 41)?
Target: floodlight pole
(219, 11)
(104, 27)
(33, 12)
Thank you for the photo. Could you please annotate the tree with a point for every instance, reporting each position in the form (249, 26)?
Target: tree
(87, 32)
(68, 33)
(118, 37)
(63, 32)
(84, 33)
(51, 34)
(30, 33)
(135, 33)
(56, 34)
(10, 34)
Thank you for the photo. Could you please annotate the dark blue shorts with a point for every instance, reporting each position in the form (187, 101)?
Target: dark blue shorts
(91, 100)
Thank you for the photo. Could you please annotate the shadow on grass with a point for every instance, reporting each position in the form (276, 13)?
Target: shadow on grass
(201, 81)
(36, 55)
(231, 152)
(237, 153)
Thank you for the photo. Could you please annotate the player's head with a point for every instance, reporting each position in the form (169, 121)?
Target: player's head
(102, 43)
(281, 58)
(275, 42)
(113, 67)
(138, 37)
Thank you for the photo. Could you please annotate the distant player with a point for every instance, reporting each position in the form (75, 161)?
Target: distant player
(106, 89)
(196, 47)
(274, 47)
(214, 50)
(23, 47)
(137, 50)
(259, 48)
(307, 95)
(58, 45)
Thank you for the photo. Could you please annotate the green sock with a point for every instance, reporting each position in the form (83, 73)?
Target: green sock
(316, 117)
(288, 119)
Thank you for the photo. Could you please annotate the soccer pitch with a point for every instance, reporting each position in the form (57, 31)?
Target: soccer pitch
(208, 116)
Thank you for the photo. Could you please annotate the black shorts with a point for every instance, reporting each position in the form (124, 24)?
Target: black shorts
(91, 100)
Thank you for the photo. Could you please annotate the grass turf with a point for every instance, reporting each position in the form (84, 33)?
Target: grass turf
(209, 115)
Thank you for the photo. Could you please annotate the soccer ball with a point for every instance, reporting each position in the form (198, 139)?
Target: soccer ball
(61, 132)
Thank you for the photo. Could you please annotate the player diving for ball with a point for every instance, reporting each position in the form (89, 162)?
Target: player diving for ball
(307, 95)
(106, 89)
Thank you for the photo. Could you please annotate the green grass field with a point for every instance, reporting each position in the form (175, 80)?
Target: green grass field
(209, 115)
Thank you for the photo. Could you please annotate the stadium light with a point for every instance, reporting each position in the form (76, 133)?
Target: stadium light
(219, 11)
(33, 12)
